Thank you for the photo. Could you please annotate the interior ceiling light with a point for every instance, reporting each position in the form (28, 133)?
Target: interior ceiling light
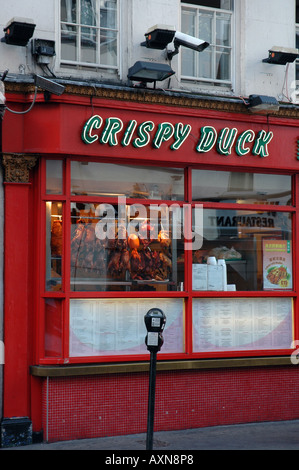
(263, 104)
(18, 31)
(149, 72)
(281, 55)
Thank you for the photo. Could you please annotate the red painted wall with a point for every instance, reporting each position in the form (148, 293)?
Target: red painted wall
(101, 405)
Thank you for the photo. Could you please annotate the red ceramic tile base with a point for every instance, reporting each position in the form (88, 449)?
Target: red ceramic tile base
(116, 404)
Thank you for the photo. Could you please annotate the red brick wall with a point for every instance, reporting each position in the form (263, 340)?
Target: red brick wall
(116, 404)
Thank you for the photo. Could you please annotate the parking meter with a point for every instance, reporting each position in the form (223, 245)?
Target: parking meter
(154, 321)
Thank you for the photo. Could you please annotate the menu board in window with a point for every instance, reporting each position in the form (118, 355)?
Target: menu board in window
(101, 327)
(242, 324)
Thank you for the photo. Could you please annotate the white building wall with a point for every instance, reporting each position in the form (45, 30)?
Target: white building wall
(258, 25)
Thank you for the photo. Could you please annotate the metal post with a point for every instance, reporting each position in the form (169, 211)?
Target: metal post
(151, 401)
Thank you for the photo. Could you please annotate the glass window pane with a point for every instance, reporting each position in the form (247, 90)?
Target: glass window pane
(54, 248)
(88, 12)
(256, 248)
(100, 179)
(53, 328)
(242, 188)
(69, 42)
(108, 14)
(205, 26)
(188, 21)
(101, 327)
(68, 11)
(126, 248)
(88, 45)
(222, 64)
(205, 63)
(108, 47)
(223, 31)
(188, 62)
(54, 183)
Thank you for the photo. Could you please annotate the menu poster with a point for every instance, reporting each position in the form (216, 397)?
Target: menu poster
(277, 264)
(242, 324)
(113, 327)
(200, 276)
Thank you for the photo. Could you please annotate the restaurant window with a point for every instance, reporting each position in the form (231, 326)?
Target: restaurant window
(89, 32)
(116, 246)
(254, 242)
(210, 20)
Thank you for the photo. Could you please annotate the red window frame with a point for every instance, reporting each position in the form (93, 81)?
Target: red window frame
(187, 295)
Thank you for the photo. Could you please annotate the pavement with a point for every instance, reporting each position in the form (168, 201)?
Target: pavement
(279, 435)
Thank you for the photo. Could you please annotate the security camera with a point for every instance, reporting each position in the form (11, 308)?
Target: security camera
(185, 40)
(48, 85)
(182, 39)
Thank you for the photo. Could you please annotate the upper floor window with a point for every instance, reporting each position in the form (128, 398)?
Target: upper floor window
(210, 20)
(89, 31)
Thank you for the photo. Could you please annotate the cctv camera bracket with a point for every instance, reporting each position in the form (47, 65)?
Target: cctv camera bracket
(170, 54)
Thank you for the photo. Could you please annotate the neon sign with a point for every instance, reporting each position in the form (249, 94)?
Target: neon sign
(113, 132)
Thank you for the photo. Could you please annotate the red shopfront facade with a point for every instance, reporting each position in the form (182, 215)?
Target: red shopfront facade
(103, 195)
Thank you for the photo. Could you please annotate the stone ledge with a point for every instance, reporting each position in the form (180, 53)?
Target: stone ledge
(134, 367)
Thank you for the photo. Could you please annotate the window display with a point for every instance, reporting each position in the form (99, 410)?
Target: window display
(54, 246)
(136, 252)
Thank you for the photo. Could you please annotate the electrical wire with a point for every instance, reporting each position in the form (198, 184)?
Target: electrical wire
(285, 84)
(27, 110)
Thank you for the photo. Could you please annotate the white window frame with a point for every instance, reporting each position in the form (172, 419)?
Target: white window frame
(213, 44)
(78, 25)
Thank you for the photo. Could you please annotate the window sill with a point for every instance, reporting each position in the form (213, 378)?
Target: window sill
(101, 369)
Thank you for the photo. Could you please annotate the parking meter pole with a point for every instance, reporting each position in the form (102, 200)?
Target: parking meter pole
(155, 322)
(151, 401)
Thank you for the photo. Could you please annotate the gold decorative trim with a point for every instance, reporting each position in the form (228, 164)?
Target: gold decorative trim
(17, 167)
(127, 368)
(157, 97)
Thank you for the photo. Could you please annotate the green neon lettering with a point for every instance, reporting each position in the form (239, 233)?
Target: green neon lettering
(143, 134)
(165, 132)
(94, 122)
(245, 137)
(181, 133)
(261, 144)
(129, 133)
(226, 140)
(112, 128)
(208, 139)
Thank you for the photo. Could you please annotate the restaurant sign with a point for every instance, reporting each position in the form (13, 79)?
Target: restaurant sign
(113, 132)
